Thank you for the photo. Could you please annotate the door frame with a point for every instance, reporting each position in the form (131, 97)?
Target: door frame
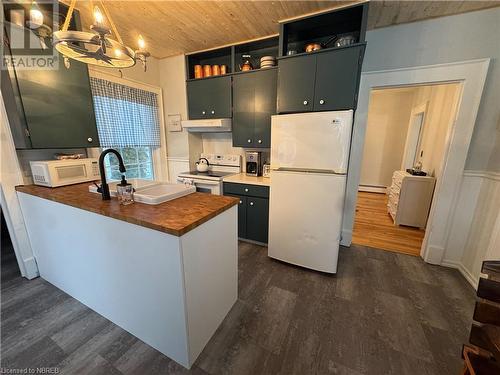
(472, 76)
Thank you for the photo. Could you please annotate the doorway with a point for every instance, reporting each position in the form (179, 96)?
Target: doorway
(408, 129)
(8, 262)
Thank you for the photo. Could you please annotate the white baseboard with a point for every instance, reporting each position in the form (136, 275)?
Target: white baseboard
(471, 279)
(434, 254)
(31, 268)
(373, 189)
(346, 237)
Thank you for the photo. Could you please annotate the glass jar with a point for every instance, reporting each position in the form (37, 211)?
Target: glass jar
(125, 192)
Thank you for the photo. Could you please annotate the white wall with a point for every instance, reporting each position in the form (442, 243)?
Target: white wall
(386, 129)
(460, 37)
(183, 148)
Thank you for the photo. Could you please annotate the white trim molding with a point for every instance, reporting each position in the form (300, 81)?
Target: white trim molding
(472, 76)
(373, 189)
(10, 176)
(494, 176)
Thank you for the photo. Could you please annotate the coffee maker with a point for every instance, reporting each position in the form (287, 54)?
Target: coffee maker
(253, 163)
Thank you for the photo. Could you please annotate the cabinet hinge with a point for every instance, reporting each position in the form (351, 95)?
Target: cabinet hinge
(27, 132)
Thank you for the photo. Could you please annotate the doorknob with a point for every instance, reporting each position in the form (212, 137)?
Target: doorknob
(213, 112)
(89, 139)
(203, 112)
(260, 140)
(251, 203)
(306, 102)
(249, 141)
(321, 101)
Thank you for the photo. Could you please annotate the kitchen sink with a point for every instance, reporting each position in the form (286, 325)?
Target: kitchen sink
(151, 192)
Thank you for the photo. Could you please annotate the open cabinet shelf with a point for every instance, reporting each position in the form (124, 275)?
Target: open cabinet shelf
(295, 35)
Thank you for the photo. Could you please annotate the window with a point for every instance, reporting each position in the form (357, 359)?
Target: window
(138, 162)
(127, 120)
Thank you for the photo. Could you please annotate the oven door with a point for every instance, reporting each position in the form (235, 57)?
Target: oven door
(203, 186)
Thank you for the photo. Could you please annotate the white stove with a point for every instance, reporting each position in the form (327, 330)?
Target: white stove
(220, 166)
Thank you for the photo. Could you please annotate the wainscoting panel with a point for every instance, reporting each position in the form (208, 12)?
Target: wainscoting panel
(176, 166)
(475, 226)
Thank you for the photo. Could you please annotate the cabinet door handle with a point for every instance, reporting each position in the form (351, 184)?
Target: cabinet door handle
(213, 112)
(246, 190)
(251, 203)
(89, 139)
(260, 141)
(321, 101)
(241, 202)
(203, 112)
(306, 102)
(249, 141)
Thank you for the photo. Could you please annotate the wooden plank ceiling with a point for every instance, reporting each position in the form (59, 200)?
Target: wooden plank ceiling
(174, 27)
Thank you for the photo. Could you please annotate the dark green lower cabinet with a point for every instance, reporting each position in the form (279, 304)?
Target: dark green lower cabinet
(253, 211)
(242, 215)
(257, 219)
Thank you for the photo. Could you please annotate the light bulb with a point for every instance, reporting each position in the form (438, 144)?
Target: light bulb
(118, 53)
(141, 42)
(36, 16)
(98, 17)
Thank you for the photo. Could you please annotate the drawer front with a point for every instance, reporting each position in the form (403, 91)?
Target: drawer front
(245, 189)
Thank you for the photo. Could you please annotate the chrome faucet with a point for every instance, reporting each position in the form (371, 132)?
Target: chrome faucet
(104, 185)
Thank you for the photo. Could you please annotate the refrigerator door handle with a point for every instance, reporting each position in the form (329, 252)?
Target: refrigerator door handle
(309, 170)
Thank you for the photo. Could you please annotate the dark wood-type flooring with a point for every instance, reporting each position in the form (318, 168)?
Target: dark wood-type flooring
(383, 313)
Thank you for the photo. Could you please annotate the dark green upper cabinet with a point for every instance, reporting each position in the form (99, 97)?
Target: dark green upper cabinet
(254, 96)
(209, 98)
(58, 107)
(337, 77)
(322, 81)
(296, 84)
(52, 107)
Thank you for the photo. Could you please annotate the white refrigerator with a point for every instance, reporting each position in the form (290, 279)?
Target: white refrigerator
(309, 159)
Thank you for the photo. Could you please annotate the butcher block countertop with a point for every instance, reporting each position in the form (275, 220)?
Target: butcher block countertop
(176, 217)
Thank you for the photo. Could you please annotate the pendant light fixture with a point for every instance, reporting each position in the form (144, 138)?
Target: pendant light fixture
(97, 47)
(37, 26)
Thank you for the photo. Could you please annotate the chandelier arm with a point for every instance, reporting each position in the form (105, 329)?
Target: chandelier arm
(69, 15)
(112, 24)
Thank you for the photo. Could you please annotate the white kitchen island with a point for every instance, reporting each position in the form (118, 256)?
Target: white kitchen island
(170, 283)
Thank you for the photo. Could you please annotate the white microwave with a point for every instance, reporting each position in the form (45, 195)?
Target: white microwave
(54, 173)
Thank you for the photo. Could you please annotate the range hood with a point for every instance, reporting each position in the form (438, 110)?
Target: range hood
(209, 125)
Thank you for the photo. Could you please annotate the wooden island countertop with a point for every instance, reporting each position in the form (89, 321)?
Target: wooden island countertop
(176, 217)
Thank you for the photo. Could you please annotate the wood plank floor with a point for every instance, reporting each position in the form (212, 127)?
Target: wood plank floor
(374, 227)
(383, 313)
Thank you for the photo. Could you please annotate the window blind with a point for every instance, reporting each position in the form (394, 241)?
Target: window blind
(125, 116)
